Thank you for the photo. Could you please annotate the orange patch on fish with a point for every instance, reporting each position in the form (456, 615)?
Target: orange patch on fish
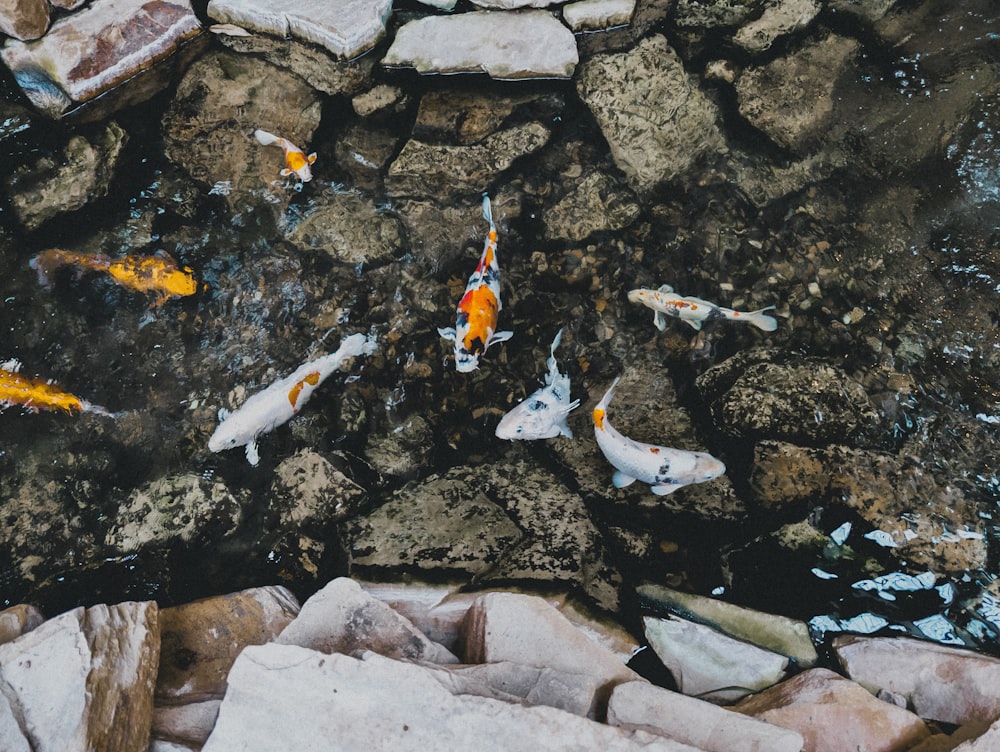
(599, 418)
(480, 306)
(654, 450)
(34, 394)
(293, 396)
(295, 160)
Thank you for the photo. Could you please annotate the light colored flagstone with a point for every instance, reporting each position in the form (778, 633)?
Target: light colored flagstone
(346, 28)
(523, 44)
(283, 697)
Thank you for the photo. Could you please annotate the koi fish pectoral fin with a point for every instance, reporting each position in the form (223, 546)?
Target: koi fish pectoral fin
(621, 480)
(253, 456)
(660, 320)
(497, 337)
(665, 288)
(223, 414)
(311, 158)
(695, 323)
(663, 489)
(447, 332)
(285, 172)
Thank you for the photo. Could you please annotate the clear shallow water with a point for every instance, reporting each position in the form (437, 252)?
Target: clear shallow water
(106, 345)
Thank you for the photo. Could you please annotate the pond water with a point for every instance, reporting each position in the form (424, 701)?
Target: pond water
(908, 247)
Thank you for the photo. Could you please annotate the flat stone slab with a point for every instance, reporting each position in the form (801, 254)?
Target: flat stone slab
(96, 49)
(346, 28)
(522, 44)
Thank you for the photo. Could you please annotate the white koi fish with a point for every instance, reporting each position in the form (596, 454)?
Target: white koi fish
(542, 414)
(665, 302)
(476, 320)
(663, 468)
(278, 403)
(295, 159)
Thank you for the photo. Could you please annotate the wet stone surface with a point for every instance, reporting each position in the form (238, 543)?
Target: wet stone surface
(676, 150)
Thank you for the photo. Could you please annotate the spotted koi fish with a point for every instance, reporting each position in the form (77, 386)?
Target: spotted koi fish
(296, 160)
(542, 415)
(35, 394)
(663, 468)
(157, 275)
(476, 320)
(282, 400)
(665, 302)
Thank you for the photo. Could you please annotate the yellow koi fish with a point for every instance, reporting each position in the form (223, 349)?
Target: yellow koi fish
(158, 274)
(34, 394)
(296, 160)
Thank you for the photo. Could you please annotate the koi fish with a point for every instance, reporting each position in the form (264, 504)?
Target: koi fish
(295, 159)
(663, 468)
(282, 400)
(157, 274)
(695, 310)
(36, 394)
(542, 414)
(476, 320)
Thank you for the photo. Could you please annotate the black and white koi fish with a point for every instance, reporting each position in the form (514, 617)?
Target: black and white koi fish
(296, 160)
(542, 414)
(476, 318)
(665, 302)
(278, 403)
(663, 468)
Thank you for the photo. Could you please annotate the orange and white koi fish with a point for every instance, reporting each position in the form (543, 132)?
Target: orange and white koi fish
(295, 159)
(542, 415)
(665, 302)
(35, 394)
(476, 320)
(663, 468)
(158, 274)
(282, 400)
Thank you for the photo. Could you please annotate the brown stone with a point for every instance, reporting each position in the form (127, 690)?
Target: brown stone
(17, 620)
(200, 640)
(24, 19)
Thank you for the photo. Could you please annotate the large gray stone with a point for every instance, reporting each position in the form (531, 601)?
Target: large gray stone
(527, 44)
(780, 18)
(657, 122)
(346, 28)
(710, 664)
(287, 697)
(343, 618)
(81, 681)
(309, 491)
(528, 630)
(939, 682)
(95, 49)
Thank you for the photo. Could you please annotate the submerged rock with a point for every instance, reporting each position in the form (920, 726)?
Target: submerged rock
(225, 96)
(309, 492)
(526, 44)
(591, 15)
(657, 122)
(780, 17)
(346, 28)
(596, 204)
(351, 229)
(81, 172)
(179, 508)
(93, 50)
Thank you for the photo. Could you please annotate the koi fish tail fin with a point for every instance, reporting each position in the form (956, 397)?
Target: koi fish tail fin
(47, 262)
(761, 320)
(265, 138)
(555, 343)
(603, 404)
(488, 210)
(87, 407)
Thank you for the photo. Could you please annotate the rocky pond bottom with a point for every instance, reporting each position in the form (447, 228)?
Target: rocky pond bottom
(859, 434)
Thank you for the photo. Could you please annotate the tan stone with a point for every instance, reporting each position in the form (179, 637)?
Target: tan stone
(835, 714)
(202, 639)
(17, 620)
(24, 19)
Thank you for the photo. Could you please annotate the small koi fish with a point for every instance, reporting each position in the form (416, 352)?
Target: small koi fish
(295, 159)
(665, 302)
(157, 274)
(35, 394)
(282, 400)
(663, 468)
(542, 415)
(476, 320)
